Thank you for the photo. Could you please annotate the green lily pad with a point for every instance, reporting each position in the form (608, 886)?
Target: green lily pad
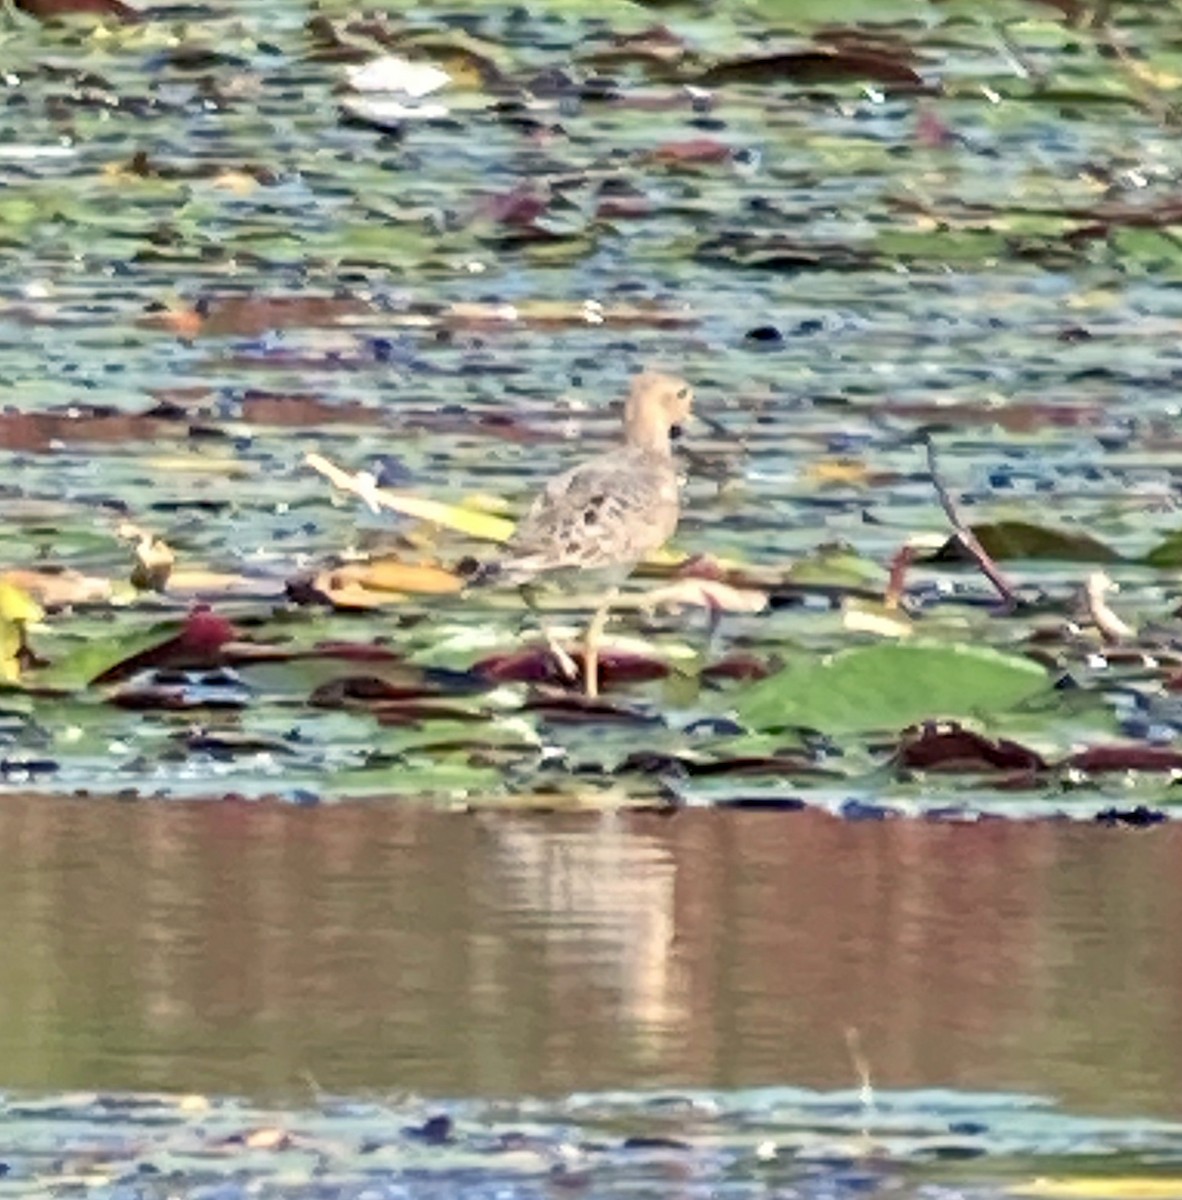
(1010, 540)
(889, 686)
(1167, 553)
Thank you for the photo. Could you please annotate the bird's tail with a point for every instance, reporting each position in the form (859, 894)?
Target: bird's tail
(507, 572)
(486, 574)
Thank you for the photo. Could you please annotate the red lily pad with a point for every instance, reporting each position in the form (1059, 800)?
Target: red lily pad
(742, 667)
(956, 749)
(42, 431)
(537, 665)
(366, 691)
(694, 152)
(51, 10)
(822, 65)
(1097, 760)
(199, 645)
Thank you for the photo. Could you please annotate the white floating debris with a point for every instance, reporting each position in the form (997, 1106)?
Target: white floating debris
(25, 153)
(389, 112)
(393, 74)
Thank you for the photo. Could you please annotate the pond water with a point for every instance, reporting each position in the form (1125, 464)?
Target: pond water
(240, 949)
(482, 939)
(217, 259)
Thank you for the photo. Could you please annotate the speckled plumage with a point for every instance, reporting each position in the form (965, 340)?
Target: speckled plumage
(606, 514)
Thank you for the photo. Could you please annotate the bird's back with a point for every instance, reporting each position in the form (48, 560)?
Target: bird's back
(611, 511)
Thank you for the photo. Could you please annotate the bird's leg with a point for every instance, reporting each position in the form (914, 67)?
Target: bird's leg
(567, 666)
(591, 643)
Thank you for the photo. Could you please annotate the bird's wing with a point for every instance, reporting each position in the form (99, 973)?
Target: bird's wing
(612, 510)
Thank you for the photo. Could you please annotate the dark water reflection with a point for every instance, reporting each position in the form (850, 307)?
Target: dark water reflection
(251, 949)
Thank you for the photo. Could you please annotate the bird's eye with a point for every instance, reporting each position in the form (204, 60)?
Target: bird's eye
(683, 393)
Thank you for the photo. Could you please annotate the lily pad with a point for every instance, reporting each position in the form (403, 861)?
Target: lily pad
(1010, 540)
(887, 687)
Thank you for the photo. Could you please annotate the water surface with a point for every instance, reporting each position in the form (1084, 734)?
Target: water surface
(270, 951)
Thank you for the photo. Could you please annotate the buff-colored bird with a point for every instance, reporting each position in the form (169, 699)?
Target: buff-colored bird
(598, 520)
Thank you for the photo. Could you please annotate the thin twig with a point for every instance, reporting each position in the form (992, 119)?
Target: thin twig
(967, 538)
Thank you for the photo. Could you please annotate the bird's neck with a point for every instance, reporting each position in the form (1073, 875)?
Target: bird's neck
(648, 431)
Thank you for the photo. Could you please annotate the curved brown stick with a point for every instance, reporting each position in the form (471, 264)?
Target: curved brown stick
(967, 538)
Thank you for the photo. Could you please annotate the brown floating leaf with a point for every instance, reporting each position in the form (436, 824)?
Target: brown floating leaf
(955, 749)
(821, 65)
(744, 667)
(49, 10)
(199, 644)
(520, 207)
(623, 208)
(253, 316)
(694, 152)
(537, 665)
(1015, 417)
(1100, 759)
(650, 763)
(42, 431)
(298, 410)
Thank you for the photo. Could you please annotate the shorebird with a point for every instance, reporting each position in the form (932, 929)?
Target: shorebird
(598, 520)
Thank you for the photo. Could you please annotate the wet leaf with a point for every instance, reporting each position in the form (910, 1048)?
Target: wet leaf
(50, 10)
(536, 665)
(696, 152)
(956, 749)
(887, 686)
(389, 575)
(1102, 1187)
(821, 65)
(1009, 540)
(1167, 553)
(199, 643)
(17, 606)
(1100, 759)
